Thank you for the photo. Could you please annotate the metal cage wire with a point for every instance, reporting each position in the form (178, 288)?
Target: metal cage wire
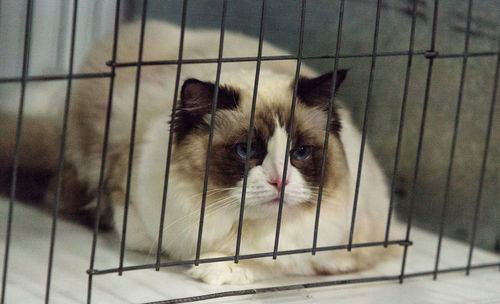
(430, 54)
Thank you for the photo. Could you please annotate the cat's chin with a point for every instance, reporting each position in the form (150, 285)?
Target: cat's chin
(269, 209)
(274, 201)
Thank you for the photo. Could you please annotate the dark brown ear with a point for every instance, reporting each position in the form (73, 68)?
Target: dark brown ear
(316, 92)
(196, 101)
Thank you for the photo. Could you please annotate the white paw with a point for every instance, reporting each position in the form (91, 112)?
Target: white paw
(221, 273)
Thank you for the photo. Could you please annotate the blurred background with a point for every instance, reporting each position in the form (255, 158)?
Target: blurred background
(50, 52)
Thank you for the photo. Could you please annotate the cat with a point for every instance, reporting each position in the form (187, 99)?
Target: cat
(190, 125)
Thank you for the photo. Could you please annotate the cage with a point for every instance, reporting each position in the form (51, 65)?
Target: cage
(423, 91)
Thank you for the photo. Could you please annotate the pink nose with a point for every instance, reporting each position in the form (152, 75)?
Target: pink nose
(276, 183)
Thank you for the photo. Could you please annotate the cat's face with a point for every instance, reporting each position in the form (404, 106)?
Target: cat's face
(269, 141)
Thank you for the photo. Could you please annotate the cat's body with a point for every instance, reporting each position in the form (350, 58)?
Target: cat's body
(86, 131)
(222, 213)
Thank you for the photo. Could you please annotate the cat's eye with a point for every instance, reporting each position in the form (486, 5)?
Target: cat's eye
(241, 150)
(301, 153)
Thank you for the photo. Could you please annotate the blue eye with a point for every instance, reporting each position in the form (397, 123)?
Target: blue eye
(241, 150)
(301, 153)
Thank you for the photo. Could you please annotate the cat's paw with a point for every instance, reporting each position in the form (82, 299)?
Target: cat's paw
(222, 273)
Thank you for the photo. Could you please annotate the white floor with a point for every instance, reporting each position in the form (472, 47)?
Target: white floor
(29, 249)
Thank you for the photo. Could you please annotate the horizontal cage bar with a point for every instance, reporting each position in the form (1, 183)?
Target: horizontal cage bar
(291, 57)
(251, 256)
(55, 77)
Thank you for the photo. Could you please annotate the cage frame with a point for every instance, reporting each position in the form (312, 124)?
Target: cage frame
(431, 54)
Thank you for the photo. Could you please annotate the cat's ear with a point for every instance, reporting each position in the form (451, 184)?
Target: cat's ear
(196, 101)
(316, 92)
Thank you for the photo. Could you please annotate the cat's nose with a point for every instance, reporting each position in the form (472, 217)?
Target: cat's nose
(276, 183)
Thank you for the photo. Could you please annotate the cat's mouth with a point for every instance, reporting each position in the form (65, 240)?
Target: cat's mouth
(276, 201)
(287, 200)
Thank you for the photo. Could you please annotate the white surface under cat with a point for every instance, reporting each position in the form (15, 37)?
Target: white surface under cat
(30, 247)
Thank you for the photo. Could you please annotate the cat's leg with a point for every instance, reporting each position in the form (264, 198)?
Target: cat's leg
(136, 235)
(335, 263)
(228, 272)
(114, 193)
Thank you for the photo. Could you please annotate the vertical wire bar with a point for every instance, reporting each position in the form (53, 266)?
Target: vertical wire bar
(365, 124)
(211, 135)
(420, 139)
(290, 127)
(250, 133)
(170, 136)
(104, 150)
(401, 120)
(484, 161)
(327, 127)
(454, 140)
(15, 164)
(62, 150)
(132, 134)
